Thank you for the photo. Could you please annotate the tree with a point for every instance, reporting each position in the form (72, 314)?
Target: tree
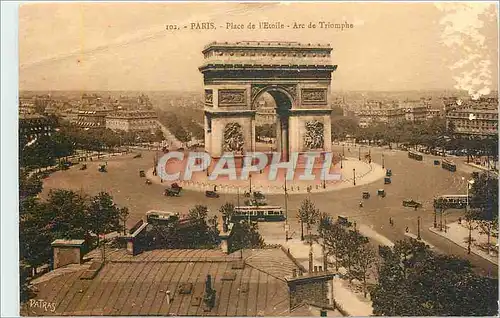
(471, 215)
(308, 214)
(68, 212)
(335, 242)
(103, 215)
(364, 260)
(227, 210)
(246, 235)
(415, 281)
(29, 184)
(35, 234)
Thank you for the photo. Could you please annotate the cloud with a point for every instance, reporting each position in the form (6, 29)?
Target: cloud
(463, 26)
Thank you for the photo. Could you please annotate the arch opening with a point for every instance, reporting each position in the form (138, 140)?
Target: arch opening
(273, 120)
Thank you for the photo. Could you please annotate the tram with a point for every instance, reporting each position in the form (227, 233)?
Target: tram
(455, 201)
(415, 155)
(263, 213)
(448, 165)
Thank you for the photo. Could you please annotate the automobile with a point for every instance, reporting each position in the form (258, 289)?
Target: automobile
(83, 167)
(387, 180)
(381, 192)
(366, 195)
(148, 182)
(258, 195)
(142, 174)
(343, 221)
(102, 168)
(211, 194)
(172, 192)
(388, 173)
(139, 155)
(411, 203)
(437, 163)
(176, 186)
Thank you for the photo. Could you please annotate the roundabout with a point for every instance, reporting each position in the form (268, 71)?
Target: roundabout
(418, 180)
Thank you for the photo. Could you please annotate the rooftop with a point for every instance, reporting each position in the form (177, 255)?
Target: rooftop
(137, 285)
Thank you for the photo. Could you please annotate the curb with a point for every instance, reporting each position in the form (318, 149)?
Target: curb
(472, 250)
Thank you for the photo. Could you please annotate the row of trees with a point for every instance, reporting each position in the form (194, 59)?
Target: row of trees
(46, 150)
(482, 213)
(432, 133)
(411, 280)
(340, 241)
(182, 125)
(65, 215)
(415, 281)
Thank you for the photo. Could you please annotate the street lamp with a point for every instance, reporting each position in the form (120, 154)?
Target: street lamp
(354, 174)
(469, 184)
(383, 164)
(418, 228)
(359, 152)
(341, 164)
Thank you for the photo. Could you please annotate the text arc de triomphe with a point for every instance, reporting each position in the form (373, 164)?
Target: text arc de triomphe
(297, 76)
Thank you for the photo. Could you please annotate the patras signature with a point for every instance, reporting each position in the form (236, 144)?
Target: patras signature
(42, 304)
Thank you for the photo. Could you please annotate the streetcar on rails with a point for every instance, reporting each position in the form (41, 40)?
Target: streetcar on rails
(415, 155)
(155, 216)
(448, 165)
(263, 213)
(454, 201)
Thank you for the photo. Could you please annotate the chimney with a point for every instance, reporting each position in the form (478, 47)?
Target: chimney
(300, 272)
(168, 296)
(294, 273)
(320, 268)
(315, 269)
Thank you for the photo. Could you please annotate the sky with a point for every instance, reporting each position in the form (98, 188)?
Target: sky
(124, 46)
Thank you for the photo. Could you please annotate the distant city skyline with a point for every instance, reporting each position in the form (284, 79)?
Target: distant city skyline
(125, 47)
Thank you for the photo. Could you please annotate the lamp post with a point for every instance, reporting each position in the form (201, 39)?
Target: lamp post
(354, 176)
(343, 150)
(250, 179)
(418, 228)
(286, 212)
(435, 217)
(359, 153)
(383, 163)
(341, 164)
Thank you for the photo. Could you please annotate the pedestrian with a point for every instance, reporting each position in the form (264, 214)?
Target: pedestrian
(215, 188)
(407, 230)
(460, 220)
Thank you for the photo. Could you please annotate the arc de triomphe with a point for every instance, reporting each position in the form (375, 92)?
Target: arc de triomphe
(297, 76)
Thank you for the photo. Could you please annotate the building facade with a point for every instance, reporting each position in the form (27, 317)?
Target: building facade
(377, 112)
(91, 118)
(139, 120)
(32, 126)
(473, 117)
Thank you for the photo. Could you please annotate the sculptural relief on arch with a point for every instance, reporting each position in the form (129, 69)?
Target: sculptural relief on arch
(297, 76)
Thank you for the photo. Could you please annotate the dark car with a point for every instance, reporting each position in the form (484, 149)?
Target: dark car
(211, 194)
(102, 168)
(138, 156)
(411, 203)
(142, 174)
(437, 163)
(148, 182)
(388, 173)
(366, 195)
(387, 180)
(172, 192)
(258, 195)
(83, 167)
(176, 186)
